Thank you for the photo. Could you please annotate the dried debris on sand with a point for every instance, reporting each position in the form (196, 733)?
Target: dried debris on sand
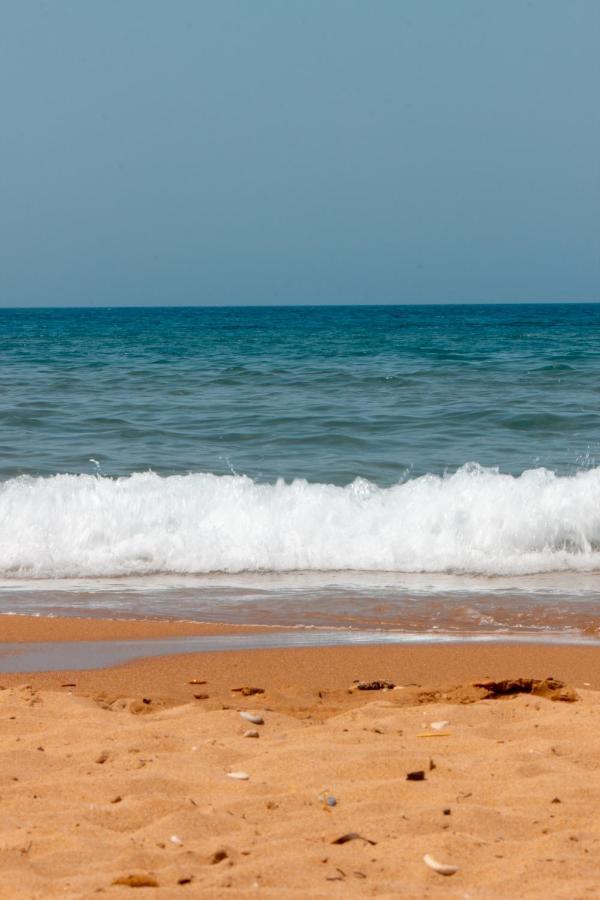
(550, 688)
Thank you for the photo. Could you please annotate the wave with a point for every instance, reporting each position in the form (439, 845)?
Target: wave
(476, 521)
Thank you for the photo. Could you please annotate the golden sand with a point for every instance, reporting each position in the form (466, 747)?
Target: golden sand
(114, 781)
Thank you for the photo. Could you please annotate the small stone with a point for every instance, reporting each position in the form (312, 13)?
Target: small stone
(101, 759)
(251, 734)
(419, 775)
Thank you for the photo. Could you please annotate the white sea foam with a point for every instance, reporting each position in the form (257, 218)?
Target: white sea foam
(476, 520)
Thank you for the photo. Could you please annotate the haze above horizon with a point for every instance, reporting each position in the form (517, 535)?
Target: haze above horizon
(263, 154)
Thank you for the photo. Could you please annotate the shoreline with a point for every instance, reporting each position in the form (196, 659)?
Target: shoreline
(108, 644)
(422, 662)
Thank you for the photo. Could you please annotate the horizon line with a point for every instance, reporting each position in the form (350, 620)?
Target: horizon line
(127, 306)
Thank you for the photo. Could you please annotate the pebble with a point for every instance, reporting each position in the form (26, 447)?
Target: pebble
(252, 717)
(251, 734)
(439, 726)
(175, 839)
(240, 776)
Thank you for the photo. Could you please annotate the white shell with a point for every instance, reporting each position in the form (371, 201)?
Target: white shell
(175, 839)
(241, 776)
(439, 726)
(252, 717)
(251, 733)
(441, 868)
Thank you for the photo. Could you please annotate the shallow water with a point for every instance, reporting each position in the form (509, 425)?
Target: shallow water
(452, 605)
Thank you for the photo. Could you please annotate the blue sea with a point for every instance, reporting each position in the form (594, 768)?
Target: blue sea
(426, 468)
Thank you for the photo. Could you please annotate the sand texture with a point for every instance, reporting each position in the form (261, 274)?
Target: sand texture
(110, 790)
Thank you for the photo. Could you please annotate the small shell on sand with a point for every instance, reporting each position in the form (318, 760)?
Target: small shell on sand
(175, 839)
(440, 868)
(252, 717)
(240, 776)
(251, 733)
(439, 726)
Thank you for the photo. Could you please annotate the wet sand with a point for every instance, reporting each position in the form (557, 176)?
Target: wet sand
(63, 628)
(119, 772)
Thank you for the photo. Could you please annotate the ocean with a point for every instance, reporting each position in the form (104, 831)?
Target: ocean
(428, 469)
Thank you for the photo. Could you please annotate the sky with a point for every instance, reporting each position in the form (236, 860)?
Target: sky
(298, 151)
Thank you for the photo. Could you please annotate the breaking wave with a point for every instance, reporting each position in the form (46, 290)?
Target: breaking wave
(473, 521)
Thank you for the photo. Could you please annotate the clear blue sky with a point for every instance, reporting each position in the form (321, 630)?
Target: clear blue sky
(299, 151)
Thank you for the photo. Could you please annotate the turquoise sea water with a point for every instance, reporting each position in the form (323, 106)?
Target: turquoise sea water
(322, 393)
(412, 467)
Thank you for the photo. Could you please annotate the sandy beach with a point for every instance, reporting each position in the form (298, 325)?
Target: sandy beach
(114, 779)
